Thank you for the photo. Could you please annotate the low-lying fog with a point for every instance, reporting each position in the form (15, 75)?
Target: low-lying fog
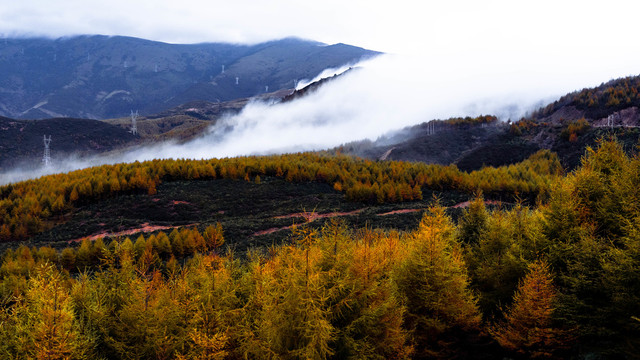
(380, 95)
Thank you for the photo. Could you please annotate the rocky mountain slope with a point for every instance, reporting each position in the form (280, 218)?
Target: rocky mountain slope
(21, 141)
(105, 77)
(567, 127)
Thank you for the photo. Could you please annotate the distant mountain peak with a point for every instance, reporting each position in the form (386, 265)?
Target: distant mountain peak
(99, 76)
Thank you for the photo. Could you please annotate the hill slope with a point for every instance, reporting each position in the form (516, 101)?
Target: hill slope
(22, 140)
(104, 77)
(567, 127)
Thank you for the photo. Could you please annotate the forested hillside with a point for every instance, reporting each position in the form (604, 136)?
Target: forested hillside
(32, 206)
(599, 102)
(556, 274)
(567, 127)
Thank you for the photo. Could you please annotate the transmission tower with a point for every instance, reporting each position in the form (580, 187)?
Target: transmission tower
(46, 158)
(237, 80)
(134, 124)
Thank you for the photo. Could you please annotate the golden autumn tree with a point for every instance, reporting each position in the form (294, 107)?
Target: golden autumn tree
(528, 328)
(42, 322)
(473, 221)
(213, 236)
(204, 293)
(284, 317)
(363, 307)
(434, 286)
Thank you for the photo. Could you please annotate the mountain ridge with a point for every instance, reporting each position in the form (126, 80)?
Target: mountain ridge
(98, 77)
(566, 126)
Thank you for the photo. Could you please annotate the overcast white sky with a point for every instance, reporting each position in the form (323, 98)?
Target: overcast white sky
(588, 41)
(543, 47)
(391, 26)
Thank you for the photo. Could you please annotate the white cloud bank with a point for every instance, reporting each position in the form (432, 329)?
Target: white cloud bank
(381, 95)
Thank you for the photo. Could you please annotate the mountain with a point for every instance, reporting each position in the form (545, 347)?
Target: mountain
(567, 127)
(21, 141)
(469, 143)
(191, 119)
(103, 77)
(614, 97)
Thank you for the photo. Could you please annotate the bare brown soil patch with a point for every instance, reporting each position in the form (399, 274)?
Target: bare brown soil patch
(308, 217)
(311, 216)
(271, 230)
(486, 202)
(144, 228)
(403, 211)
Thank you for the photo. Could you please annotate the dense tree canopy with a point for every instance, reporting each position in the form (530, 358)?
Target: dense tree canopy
(558, 279)
(29, 207)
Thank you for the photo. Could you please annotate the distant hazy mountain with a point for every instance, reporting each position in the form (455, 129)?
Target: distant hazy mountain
(103, 77)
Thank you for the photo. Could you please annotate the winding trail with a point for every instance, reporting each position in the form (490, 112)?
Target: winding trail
(143, 228)
(403, 211)
(308, 216)
(311, 216)
(486, 202)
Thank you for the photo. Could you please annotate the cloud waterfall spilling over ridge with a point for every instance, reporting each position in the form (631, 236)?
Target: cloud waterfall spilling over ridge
(383, 94)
